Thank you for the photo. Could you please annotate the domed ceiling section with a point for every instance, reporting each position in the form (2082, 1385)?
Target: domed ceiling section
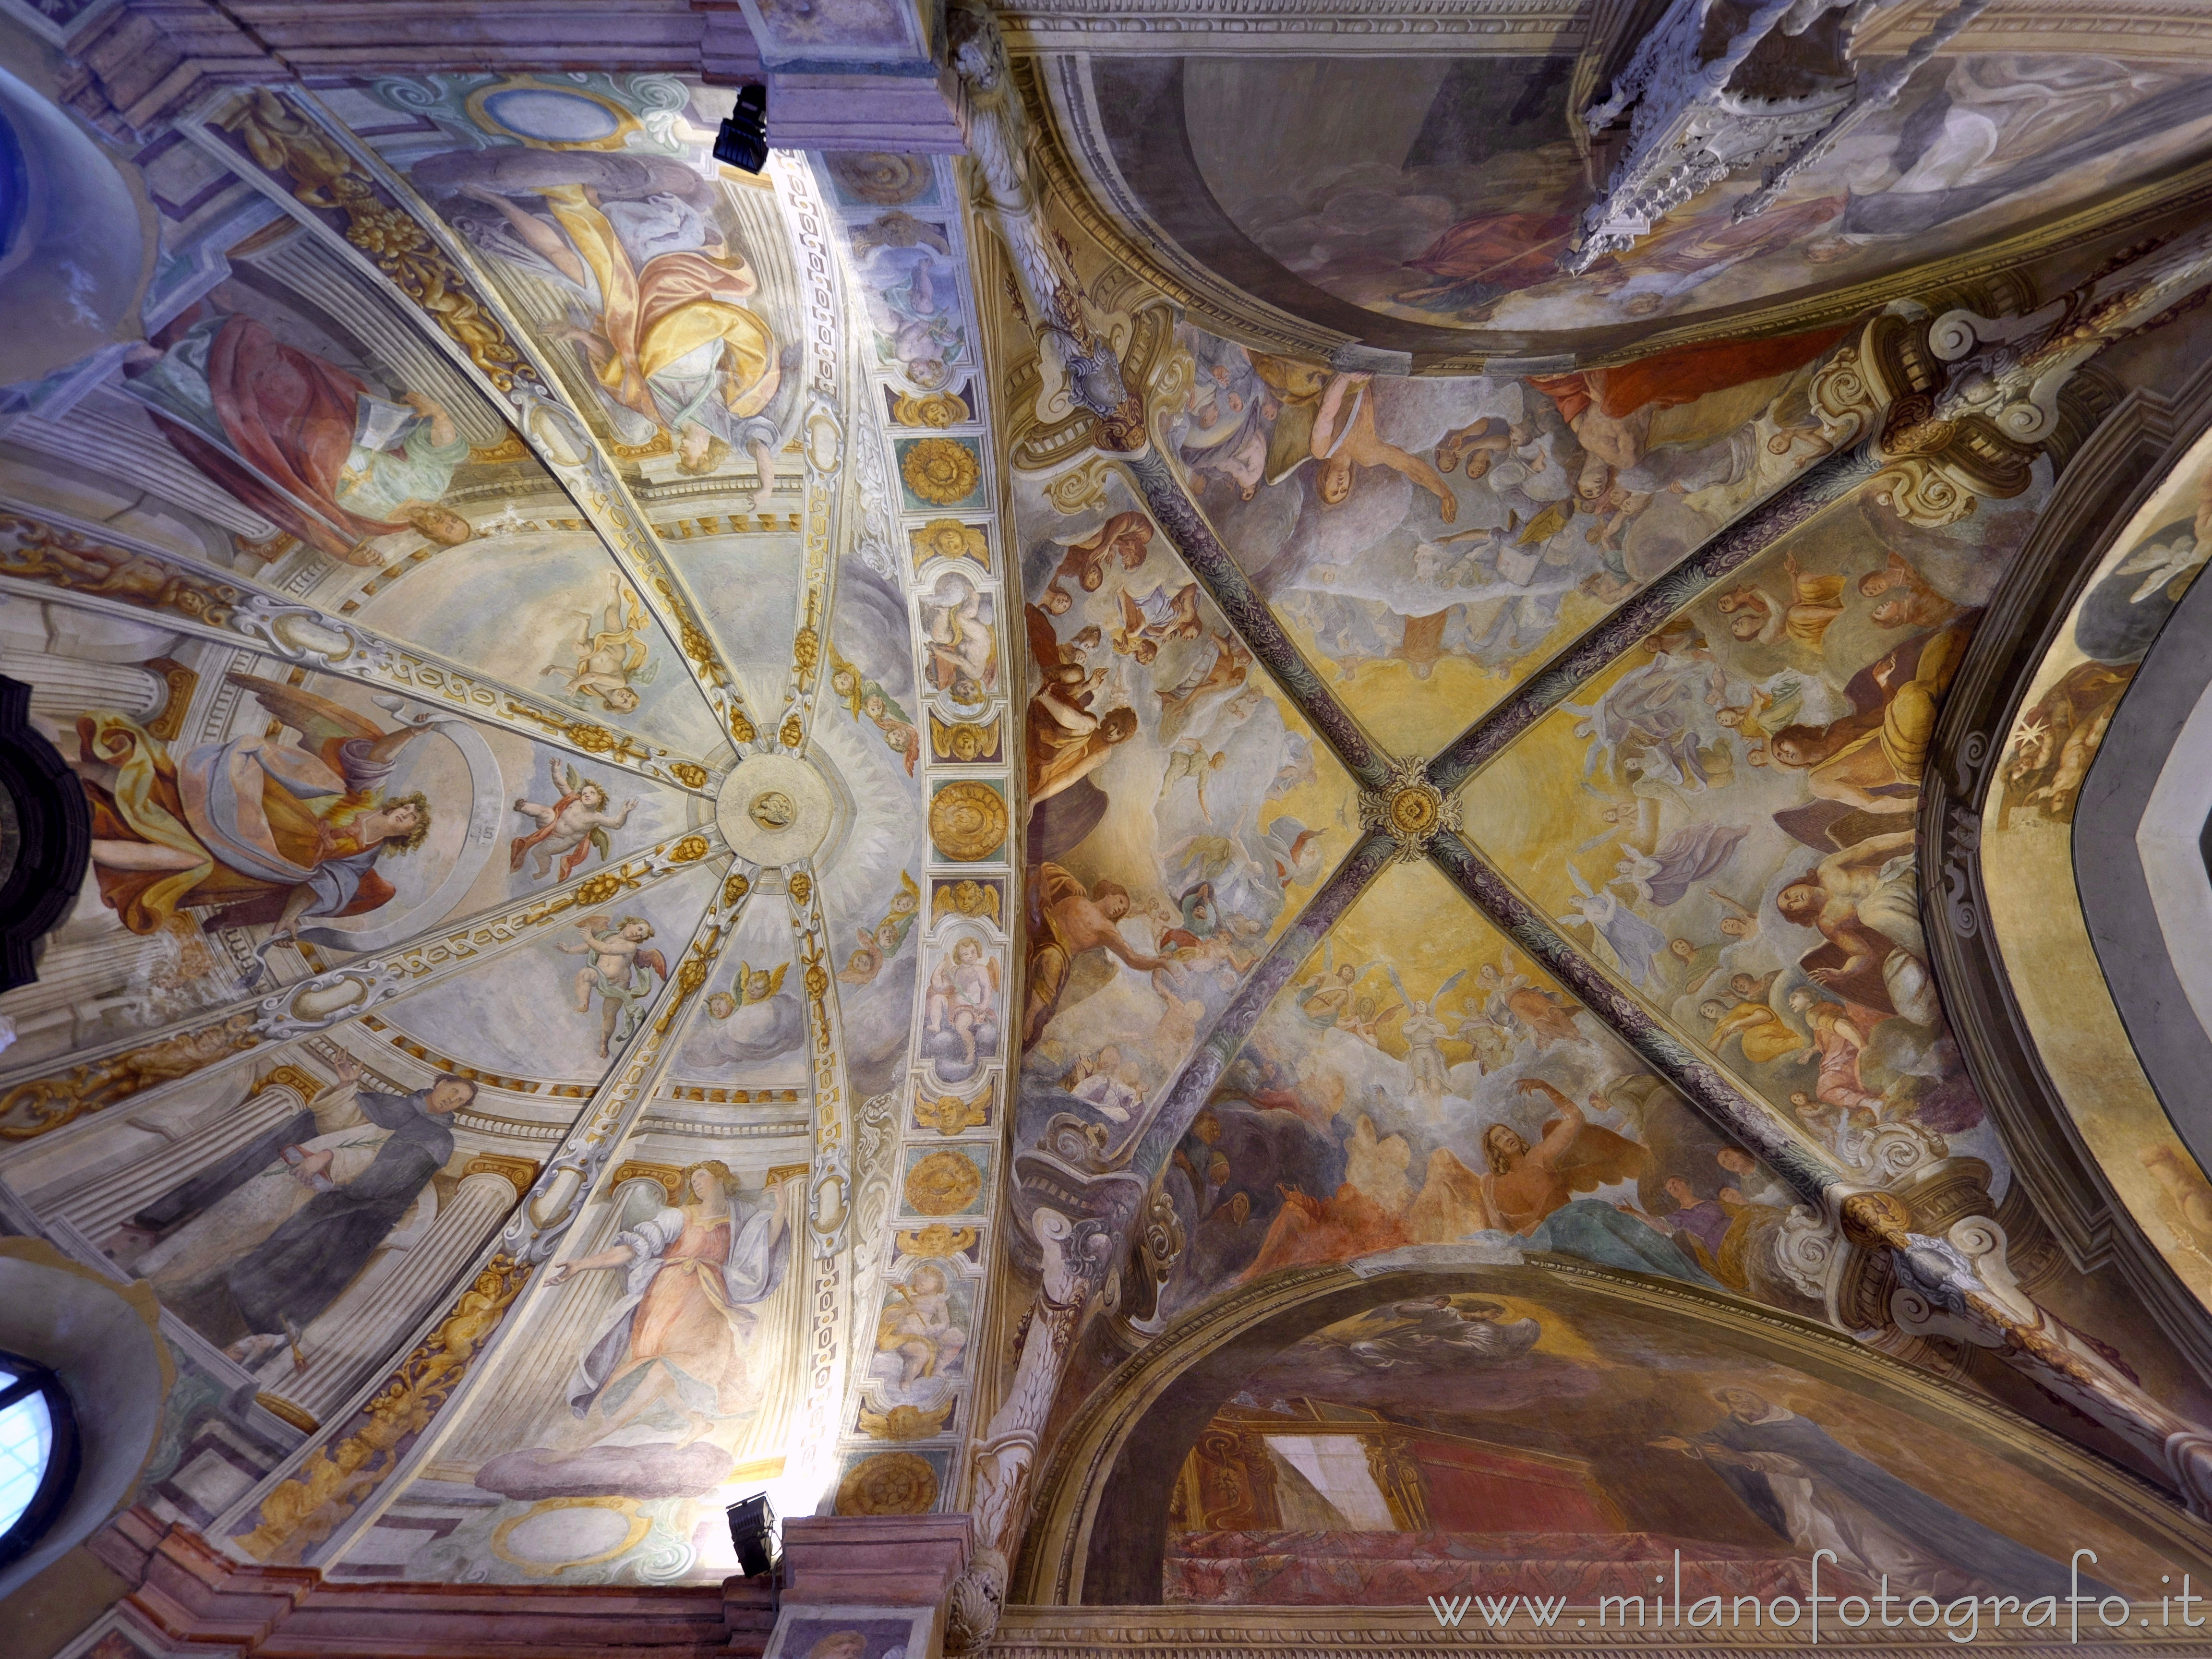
(1549, 183)
(534, 640)
(2092, 840)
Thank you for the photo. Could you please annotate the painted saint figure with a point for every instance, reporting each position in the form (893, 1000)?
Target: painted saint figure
(694, 1271)
(1819, 1494)
(267, 1297)
(270, 832)
(303, 442)
(660, 301)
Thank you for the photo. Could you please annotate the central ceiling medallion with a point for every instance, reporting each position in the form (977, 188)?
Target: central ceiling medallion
(774, 809)
(1408, 808)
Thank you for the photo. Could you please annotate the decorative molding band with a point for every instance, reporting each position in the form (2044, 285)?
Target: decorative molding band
(1297, 28)
(2111, 476)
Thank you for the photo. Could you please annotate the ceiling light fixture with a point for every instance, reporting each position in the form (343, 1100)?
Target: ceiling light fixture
(743, 140)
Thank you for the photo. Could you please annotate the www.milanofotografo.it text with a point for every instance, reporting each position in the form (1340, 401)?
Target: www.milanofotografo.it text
(1962, 1618)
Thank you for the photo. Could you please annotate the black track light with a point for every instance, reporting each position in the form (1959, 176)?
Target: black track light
(743, 140)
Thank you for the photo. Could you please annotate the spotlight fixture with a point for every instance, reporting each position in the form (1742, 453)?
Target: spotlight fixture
(743, 140)
(752, 1528)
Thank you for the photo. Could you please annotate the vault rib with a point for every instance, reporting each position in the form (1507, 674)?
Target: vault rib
(148, 1066)
(305, 1517)
(304, 159)
(211, 603)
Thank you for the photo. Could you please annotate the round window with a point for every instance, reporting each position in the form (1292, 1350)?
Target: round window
(38, 1453)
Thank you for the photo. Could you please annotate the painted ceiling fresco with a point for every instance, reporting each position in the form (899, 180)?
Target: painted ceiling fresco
(1427, 204)
(1578, 1443)
(1431, 541)
(498, 479)
(1687, 792)
(700, 883)
(1422, 1086)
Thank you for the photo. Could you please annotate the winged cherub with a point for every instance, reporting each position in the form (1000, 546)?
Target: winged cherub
(964, 993)
(759, 984)
(570, 829)
(611, 652)
(620, 971)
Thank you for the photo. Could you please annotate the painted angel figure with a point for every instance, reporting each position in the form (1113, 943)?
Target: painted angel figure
(963, 656)
(2164, 564)
(1492, 1041)
(268, 831)
(1634, 940)
(611, 654)
(866, 962)
(898, 920)
(620, 972)
(1365, 1021)
(1327, 997)
(920, 1328)
(1423, 1031)
(693, 1273)
(963, 998)
(755, 1019)
(571, 828)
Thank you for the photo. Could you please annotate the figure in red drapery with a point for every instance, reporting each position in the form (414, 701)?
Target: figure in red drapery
(281, 429)
(1479, 260)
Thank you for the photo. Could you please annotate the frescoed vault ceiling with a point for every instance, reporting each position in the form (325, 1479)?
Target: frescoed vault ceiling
(1187, 729)
(1442, 203)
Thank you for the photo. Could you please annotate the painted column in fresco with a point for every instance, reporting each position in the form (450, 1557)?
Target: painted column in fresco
(174, 1144)
(314, 1513)
(351, 1335)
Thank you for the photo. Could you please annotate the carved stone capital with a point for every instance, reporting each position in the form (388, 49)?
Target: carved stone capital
(979, 1596)
(2012, 381)
(1952, 409)
(1959, 1285)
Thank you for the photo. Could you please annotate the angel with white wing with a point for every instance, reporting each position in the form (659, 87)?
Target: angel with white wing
(1423, 1031)
(1635, 941)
